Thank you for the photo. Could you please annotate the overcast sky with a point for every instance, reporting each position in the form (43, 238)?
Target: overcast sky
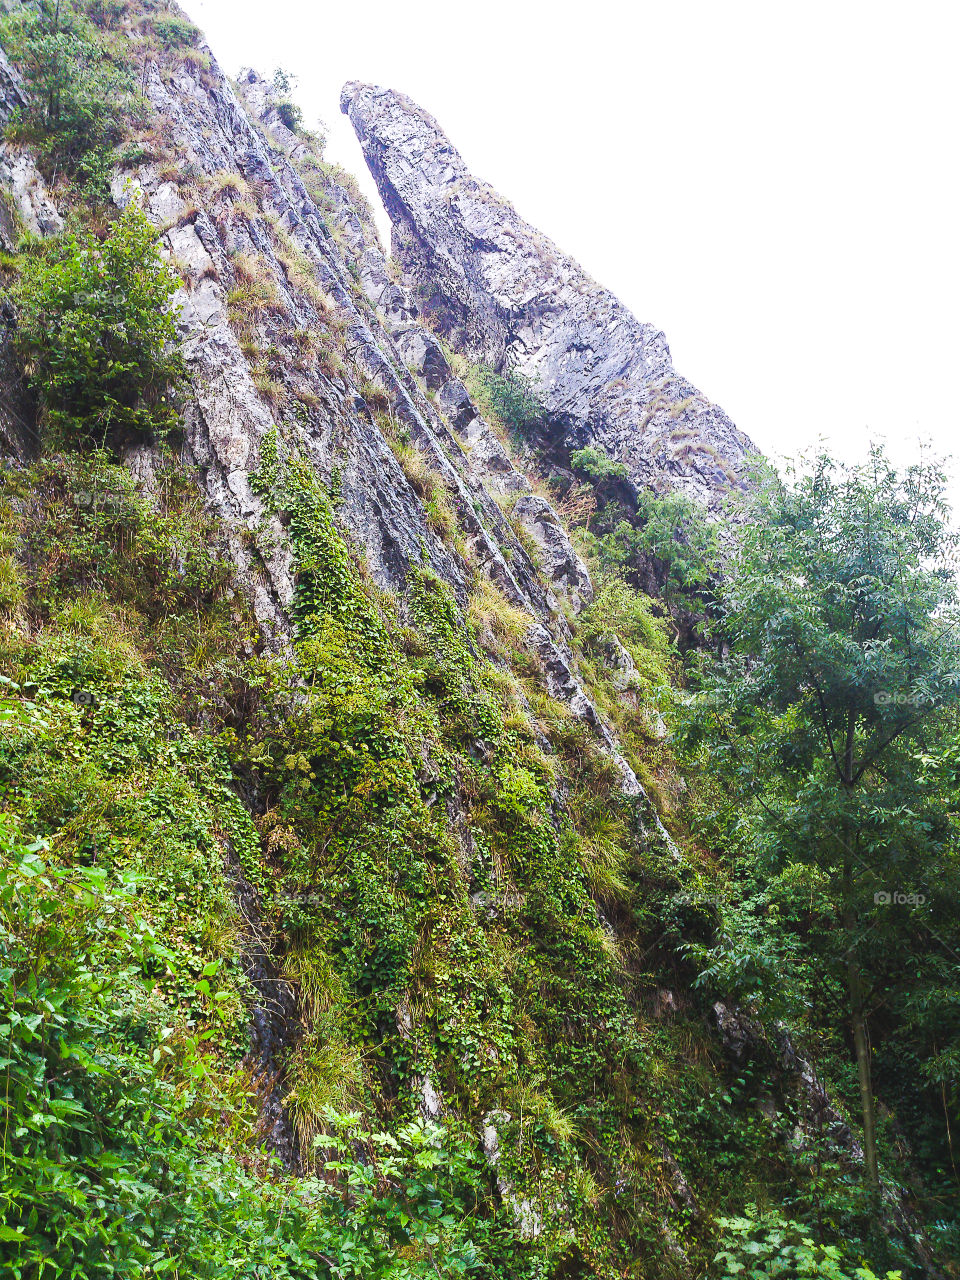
(773, 184)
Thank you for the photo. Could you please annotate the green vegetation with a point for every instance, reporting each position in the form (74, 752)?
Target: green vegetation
(596, 466)
(123, 1156)
(619, 614)
(290, 114)
(124, 996)
(284, 84)
(507, 399)
(766, 1245)
(661, 542)
(97, 331)
(374, 869)
(360, 884)
(828, 723)
(80, 89)
(175, 32)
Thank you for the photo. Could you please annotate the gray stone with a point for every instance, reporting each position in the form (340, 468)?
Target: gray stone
(507, 296)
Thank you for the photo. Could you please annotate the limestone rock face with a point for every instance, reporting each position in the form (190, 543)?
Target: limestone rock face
(28, 202)
(509, 298)
(239, 198)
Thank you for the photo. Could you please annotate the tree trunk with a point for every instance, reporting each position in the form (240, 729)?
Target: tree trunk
(871, 1171)
(861, 1047)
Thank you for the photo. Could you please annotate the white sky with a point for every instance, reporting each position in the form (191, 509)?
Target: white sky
(773, 184)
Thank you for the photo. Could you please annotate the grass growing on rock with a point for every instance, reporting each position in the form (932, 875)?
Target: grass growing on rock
(475, 924)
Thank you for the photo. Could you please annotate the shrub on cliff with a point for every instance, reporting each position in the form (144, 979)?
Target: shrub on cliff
(508, 398)
(176, 33)
(97, 333)
(283, 86)
(825, 716)
(77, 92)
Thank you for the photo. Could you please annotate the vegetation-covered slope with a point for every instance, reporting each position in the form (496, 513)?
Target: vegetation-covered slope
(340, 933)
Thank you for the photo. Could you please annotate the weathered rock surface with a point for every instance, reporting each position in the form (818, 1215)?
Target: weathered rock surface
(18, 171)
(239, 202)
(325, 417)
(29, 203)
(507, 296)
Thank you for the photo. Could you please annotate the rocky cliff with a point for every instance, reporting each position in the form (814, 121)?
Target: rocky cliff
(500, 290)
(307, 253)
(327, 672)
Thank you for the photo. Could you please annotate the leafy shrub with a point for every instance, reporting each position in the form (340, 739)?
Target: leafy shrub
(175, 33)
(416, 1193)
(670, 528)
(509, 398)
(96, 1136)
(97, 332)
(630, 531)
(619, 610)
(596, 466)
(78, 92)
(290, 114)
(769, 1247)
(284, 83)
(675, 530)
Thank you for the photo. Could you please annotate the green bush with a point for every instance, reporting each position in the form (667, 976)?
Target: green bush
(97, 332)
(675, 529)
(508, 398)
(78, 93)
(290, 114)
(596, 466)
(619, 610)
(175, 33)
(670, 528)
(766, 1246)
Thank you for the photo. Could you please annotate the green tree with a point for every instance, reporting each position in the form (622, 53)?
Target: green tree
(663, 542)
(672, 535)
(840, 629)
(677, 531)
(510, 398)
(97, 331)
(78, 92)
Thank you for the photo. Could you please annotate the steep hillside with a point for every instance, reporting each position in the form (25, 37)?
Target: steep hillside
(352, 896)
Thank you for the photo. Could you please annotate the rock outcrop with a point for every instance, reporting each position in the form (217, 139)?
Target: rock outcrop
(300, 340)
(28, 203)
(239, 205)
(509, 298)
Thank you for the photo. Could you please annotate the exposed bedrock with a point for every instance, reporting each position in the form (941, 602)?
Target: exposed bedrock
(507, 296)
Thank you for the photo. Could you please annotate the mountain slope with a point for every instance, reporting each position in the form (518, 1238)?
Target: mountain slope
(360, 918)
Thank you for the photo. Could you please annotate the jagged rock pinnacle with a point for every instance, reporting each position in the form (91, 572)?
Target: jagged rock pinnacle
(507, 296)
